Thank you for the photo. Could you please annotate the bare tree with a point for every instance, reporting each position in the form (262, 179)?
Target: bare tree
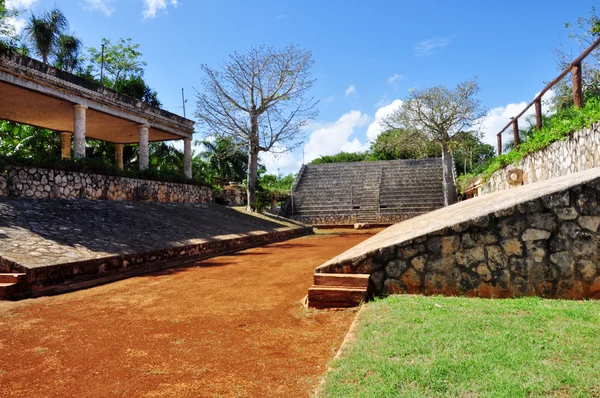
(260, 101)
(440, 113)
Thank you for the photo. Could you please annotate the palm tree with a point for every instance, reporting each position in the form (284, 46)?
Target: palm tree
(68, 48)
(45, 31)
(226, 159)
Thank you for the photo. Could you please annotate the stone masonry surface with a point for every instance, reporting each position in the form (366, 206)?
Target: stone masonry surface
(539, 239)
(382, 192)
(47, 183)
(55, 240)
(578, 152)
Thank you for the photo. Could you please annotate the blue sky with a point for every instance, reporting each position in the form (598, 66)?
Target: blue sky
(367, 54)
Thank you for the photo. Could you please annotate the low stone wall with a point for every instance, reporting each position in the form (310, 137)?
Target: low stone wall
(579, 151)
(326, 219)
(350, 219)
(549, 247)
(47, 183)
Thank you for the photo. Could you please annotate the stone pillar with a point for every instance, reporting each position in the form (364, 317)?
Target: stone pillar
(119, 155)
(65, 138)
(143, 147)
(79, 118)
(187, 157)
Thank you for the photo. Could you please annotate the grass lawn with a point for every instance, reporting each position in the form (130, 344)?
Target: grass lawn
(418, 346)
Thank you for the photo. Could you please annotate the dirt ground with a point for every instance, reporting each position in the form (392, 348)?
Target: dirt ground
(230, 326)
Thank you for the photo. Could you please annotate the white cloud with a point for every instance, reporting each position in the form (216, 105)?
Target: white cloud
(151, 7)
(498, 118)
(279, 160)
(104, 6)
(280, 16)
(329, 99)
(376, 128)
(350, 90)
(19, 4)
(331, 138)
(395, 80)
(431, 46)
(17, 24)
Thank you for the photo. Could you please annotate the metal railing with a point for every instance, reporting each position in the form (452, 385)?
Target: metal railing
(575, 69)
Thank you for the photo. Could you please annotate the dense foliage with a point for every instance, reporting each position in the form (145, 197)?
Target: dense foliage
(555, 127)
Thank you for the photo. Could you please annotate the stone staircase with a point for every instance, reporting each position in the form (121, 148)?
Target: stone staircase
(372, 192)
(369, 201)
(11, 284)
(338, 290)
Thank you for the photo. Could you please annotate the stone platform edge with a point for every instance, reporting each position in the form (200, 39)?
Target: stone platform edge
(66, 277)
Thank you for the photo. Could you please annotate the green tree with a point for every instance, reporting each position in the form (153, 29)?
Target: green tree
(68, 53)
(276, 183)
(260, 101)
(44, 31)
(121, 68)
(403, 144)
(121, 61)
(470, 153)
(342, 157)
(583, 34)
(224, 159)
(440, 113)
(6, 29)
(28, 142)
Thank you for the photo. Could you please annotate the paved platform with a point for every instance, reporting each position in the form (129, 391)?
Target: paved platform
(87, 236)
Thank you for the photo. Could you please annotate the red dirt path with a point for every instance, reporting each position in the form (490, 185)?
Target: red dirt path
(232, 327)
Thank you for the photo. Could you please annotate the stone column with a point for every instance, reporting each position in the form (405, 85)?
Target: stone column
(143, 147)
(119, 155)
(79, 118)
(187, 157)
(65, 138)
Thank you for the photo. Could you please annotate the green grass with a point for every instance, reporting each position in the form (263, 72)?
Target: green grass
(458, 347)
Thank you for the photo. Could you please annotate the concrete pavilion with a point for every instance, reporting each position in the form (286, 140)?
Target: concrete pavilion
(34, 93)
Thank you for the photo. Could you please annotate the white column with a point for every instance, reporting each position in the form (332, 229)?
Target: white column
(143, 147)
(187, 157)
(119, 155)
(65, 138)
(79, 120)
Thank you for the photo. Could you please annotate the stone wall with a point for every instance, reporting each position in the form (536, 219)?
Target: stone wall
(548, 246)
(350, 219)
(579, 151)
(47, 183)
(325, 219)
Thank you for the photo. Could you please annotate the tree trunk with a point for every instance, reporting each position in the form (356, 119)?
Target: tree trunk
(253, 149)
(252, 176)
(448, 177)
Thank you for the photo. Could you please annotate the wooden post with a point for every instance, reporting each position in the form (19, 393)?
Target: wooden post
(577, 86)
(499, 144)
(517, 139)
(538, 114)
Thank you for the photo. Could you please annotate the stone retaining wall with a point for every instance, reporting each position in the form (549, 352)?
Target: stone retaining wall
(579, 151)
(47, 183)
(326, 219)
(547, 247)
(350, 219)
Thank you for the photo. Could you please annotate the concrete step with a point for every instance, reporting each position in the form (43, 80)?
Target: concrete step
(322, 297)
(342, 280)
(12, 277)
